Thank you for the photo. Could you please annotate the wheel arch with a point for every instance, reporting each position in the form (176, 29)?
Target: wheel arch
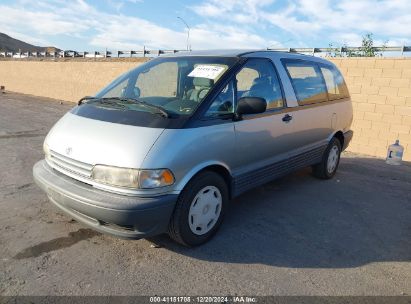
(220, 168)
(339, 135)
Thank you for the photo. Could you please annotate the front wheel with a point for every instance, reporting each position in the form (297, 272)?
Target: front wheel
(199, 209)
(327, 168)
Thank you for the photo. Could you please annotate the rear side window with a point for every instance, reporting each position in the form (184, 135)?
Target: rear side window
(335, 83)
(307, 81)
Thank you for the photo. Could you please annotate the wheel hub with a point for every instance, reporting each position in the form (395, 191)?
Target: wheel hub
(205, 210)
(332, 160)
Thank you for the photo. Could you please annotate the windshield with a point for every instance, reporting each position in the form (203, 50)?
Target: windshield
(176, 85)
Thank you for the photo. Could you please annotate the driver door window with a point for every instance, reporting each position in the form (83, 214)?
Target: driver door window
(258, 79)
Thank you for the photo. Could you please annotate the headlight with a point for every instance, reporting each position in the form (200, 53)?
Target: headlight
(132, 178)
(121, 177)
(155, 178)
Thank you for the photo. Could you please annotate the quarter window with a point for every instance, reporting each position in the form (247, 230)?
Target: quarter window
(334, 81)
(307, 81)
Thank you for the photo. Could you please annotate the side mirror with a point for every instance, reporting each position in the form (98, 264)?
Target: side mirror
(136, 92)
(251, 105)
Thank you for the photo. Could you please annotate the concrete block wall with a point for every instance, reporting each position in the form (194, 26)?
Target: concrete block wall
(380, 89)
(63, 80)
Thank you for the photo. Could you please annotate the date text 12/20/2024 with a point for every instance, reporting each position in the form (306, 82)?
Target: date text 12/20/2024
(203, 299)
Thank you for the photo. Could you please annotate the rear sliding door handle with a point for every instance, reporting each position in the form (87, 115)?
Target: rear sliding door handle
(287, 118)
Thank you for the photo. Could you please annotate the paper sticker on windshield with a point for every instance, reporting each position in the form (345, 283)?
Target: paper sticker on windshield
(206, 71)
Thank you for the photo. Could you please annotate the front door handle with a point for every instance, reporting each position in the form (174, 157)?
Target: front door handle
(287, 118)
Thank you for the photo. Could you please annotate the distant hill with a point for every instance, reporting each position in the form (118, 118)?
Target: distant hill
(10, 44)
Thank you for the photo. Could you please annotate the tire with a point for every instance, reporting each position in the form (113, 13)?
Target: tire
(203, 200)
(328, 166)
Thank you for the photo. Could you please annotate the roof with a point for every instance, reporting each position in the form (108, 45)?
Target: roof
(248, 53)
(233, 53)
(222, 53)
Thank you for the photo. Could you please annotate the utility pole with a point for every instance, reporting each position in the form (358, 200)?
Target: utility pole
(188, 33)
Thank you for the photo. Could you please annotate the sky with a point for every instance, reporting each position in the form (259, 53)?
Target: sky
(94, 25)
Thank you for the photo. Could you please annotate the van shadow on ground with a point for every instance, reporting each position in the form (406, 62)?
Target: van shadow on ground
(361, 216)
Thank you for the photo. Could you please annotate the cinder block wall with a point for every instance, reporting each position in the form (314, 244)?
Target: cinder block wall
(380, 89)
(64, 80)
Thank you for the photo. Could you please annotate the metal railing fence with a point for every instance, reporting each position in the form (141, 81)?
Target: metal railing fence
(345, 51)
(330, 51)
(75, 54)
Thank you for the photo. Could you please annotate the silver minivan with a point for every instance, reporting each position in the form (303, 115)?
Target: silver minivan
(163, 148)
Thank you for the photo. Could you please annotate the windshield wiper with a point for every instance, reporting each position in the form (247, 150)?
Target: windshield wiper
(159, 109)
(106, 100)
(110, 102)
(81, 101)
(103, 101)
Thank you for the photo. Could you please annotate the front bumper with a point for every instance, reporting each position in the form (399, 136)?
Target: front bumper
(119, 215)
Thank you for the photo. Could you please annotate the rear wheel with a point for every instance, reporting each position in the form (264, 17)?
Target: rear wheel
(328, 166)
(199, 209)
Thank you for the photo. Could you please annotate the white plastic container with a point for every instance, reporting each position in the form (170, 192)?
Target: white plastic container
(394, 154)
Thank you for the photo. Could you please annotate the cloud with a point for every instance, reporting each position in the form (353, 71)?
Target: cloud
(28, 38)
(43, 23)
(141, 32)
(115, 30)
(222, 36)
(136, 34)
(236, 10)
(216, 23)
(346, 19)
(351, 39)
(342, 20)
(208, 10)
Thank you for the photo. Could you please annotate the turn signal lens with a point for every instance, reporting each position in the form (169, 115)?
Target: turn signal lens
(46, 150)
(155, 178)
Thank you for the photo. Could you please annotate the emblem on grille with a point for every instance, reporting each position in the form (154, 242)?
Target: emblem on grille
(69, 150)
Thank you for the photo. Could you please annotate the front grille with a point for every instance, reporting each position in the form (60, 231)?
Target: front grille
(66, 165)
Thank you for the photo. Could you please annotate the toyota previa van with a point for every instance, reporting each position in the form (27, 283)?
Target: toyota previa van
(163, 148)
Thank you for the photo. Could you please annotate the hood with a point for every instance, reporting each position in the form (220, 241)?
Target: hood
(98, 142)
